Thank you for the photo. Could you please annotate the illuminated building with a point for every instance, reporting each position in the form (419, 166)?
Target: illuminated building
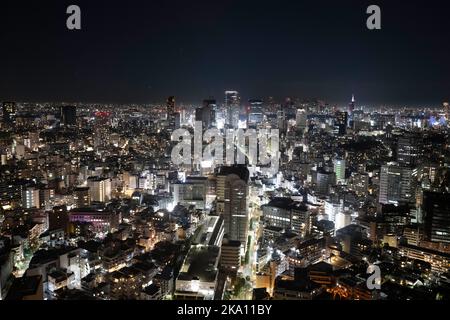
(230, 255)
(254, 113)
(397, 184)
(341, 123)
(436, 208)
(102, 221)
(30, 198)
(232, 202)
(99, 189)
(339, 170)
(232, 106)
(81, 197)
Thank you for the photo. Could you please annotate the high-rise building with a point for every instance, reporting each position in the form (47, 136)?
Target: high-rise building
(254, 113)
(351, 109)
(99, 189)
(232, 106)
(68, 115)
(232, 201)
(171, 114)
(341, 123)
(207, 114)
(436, 208)
(409, 150)
(397, 184)
(9, 112)
(339, 170)
(30, 198)
(325, 180)
(301, 119)
(81, 197)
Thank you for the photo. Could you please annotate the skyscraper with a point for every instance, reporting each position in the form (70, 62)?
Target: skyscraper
(436, 207)
(207, 114)
(9, 112)
(171, 114)
(351, 108)
(68, 115)
(339, 170)
(301, 119)
(232, 202)
(232, 105)
(408, 150)
(397, 184)
(254, 113)
(341, 123)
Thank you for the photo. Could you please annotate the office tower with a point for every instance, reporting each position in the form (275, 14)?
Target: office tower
(207, 114)
(325, 180)
(9, 112)
(339, 170)
(232, 202)
(436, 208)
(397, 184)
(171, 114)
(254, 113)
(81, 197)
(68, 115)
(341, 123)
(232, 106)
(281, 121)
(30, 198)
(409, 150)
(99, 189)
(301, 119)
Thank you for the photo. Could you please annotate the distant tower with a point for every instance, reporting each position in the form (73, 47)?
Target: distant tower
(351, 108)
(171, 115)
(68, 115)
(232, 106)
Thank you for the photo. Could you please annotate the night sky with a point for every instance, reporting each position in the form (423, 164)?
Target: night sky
(143, 51)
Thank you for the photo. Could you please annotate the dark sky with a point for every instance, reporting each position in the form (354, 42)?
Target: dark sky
(142, 51)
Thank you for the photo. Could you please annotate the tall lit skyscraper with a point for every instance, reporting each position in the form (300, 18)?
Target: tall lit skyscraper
(446, 107)
(232, 202)
(351, 109)
(408, 150)
(254, 113)
(232, 106)
(171, 114)
(339, 170)
(397, 184)
(341, 123)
